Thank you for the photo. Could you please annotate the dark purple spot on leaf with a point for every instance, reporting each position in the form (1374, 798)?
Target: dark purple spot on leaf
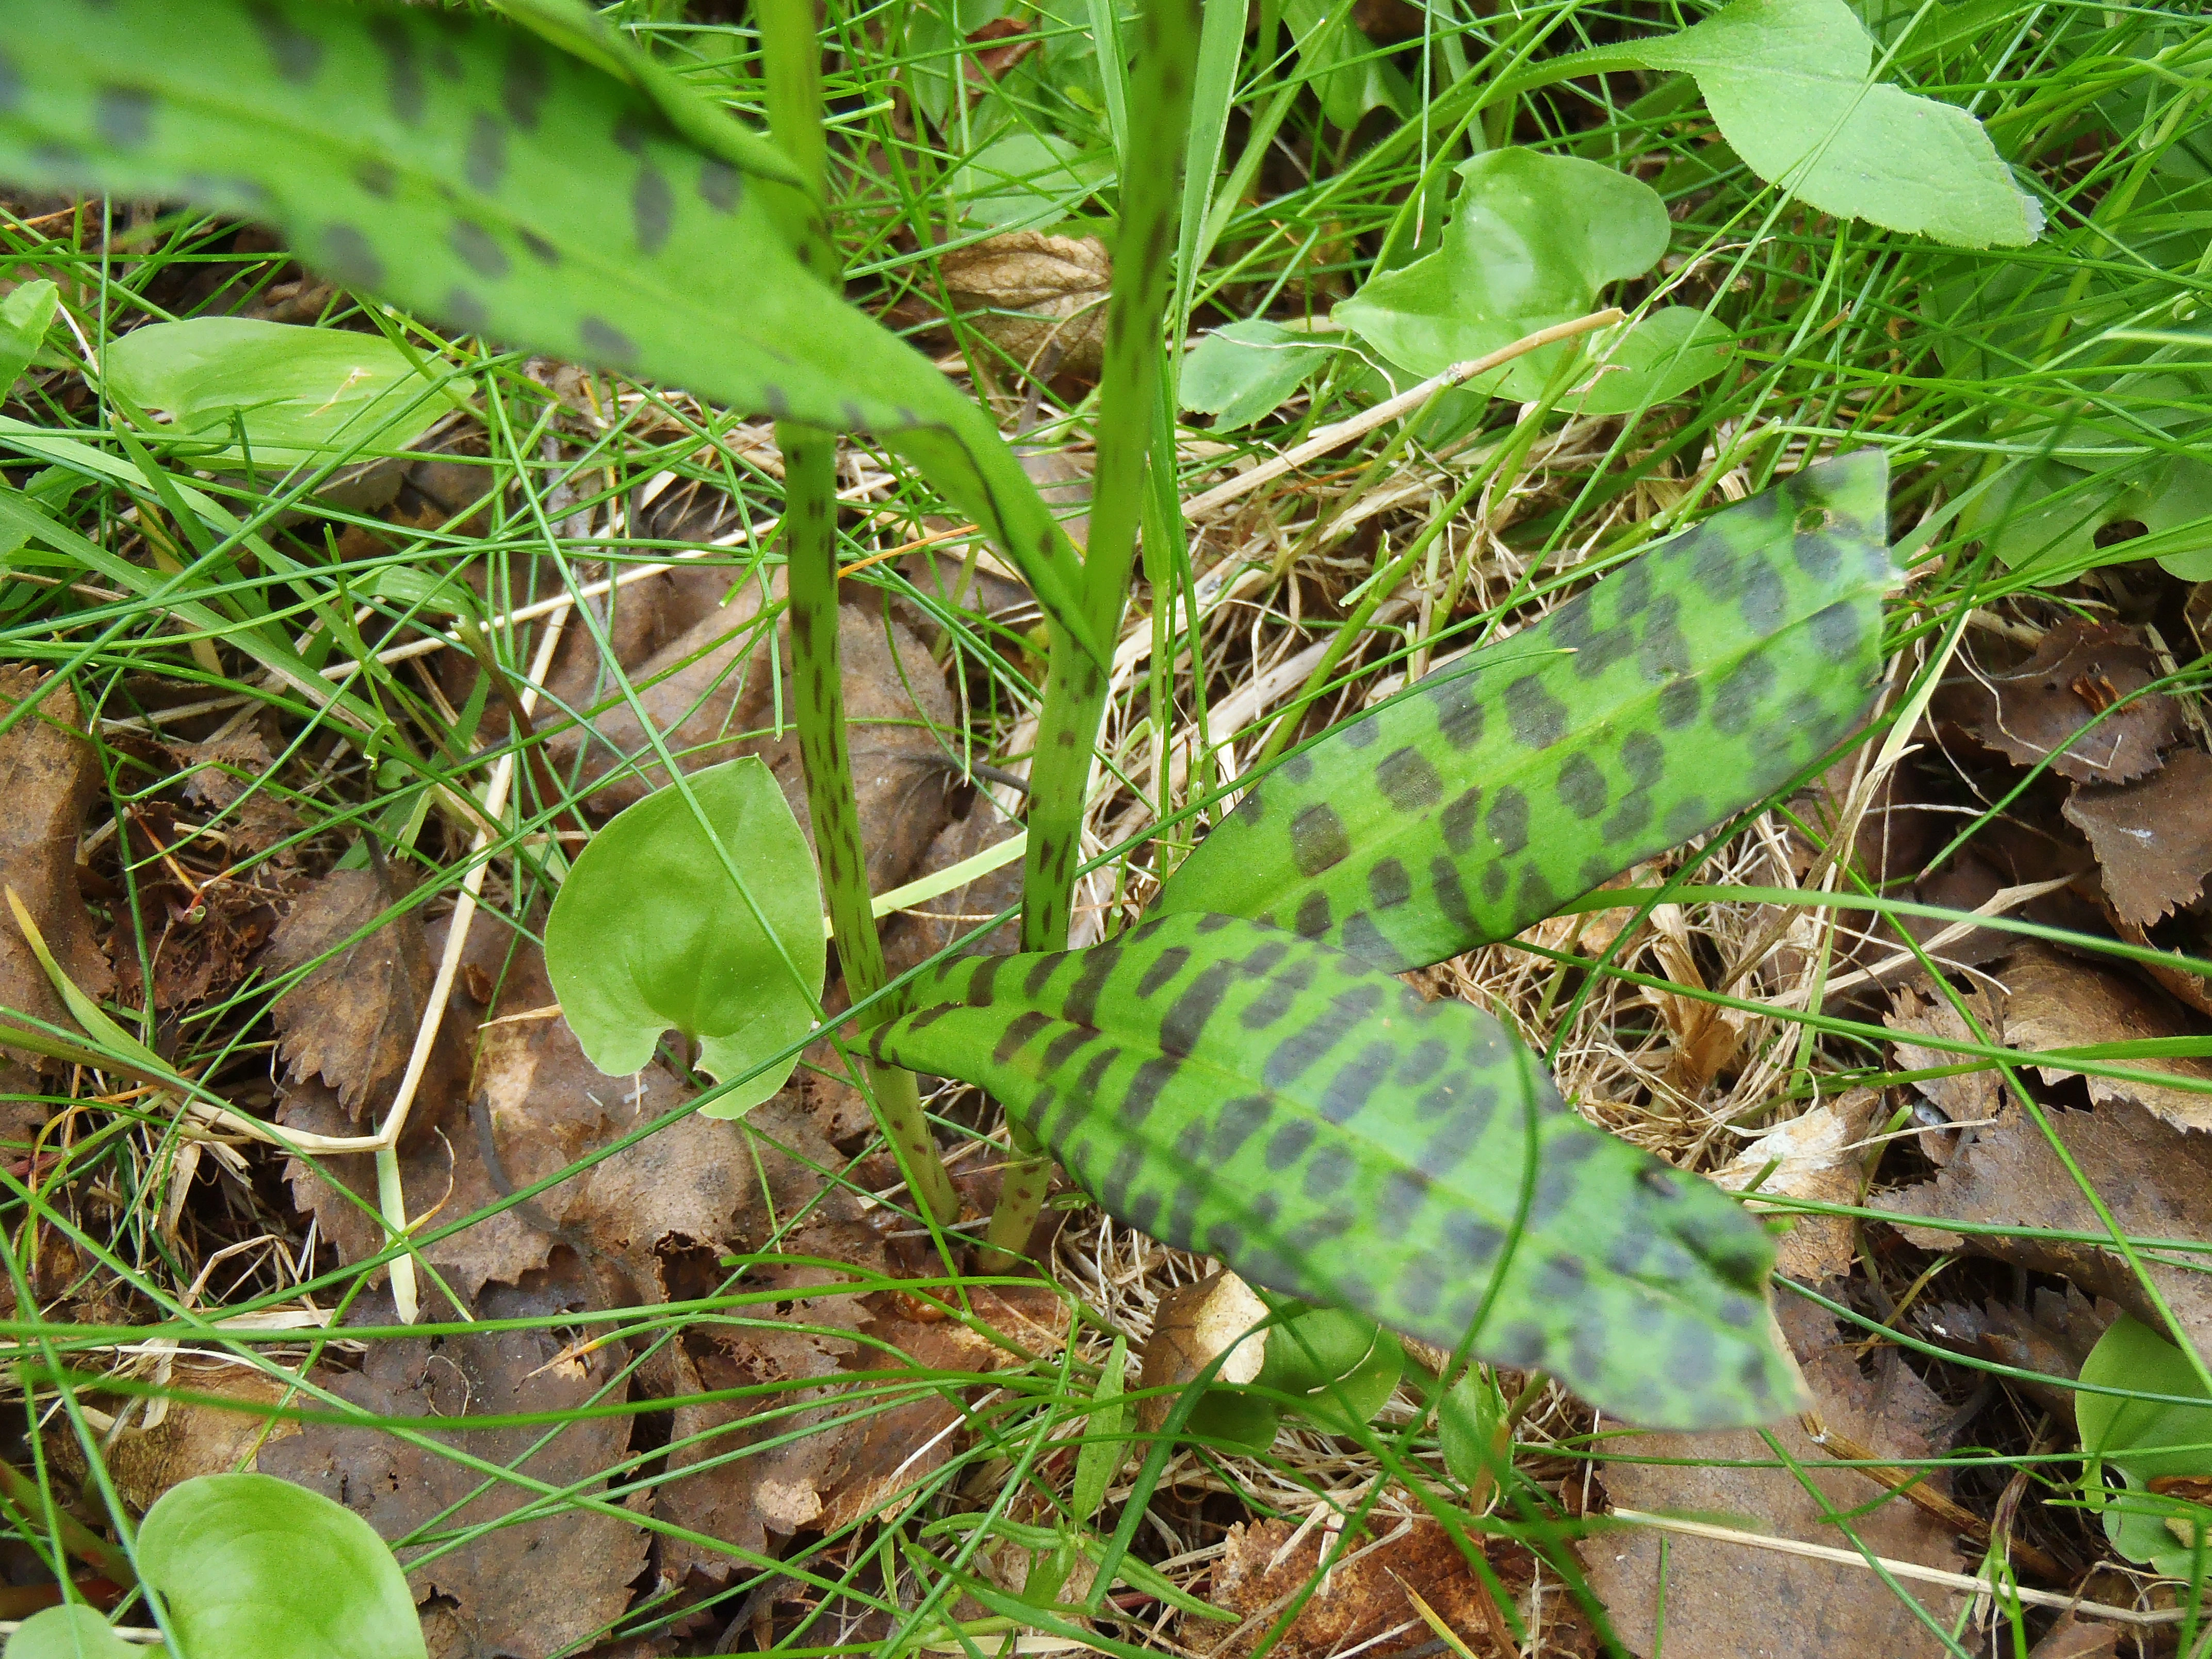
(478, 249)
(1153, 1076)
(486, 161)
(1325, 1175)
(296, 53)
(1387, 884)
(1508, 822)
(602, 340)
(1581, 788)
(719, 184)
(1186, 1018)
(349, 258)
(1539, 719)
(124, 115)
(405, 89)
(1409, 780)
(1169, 963)
(375, 174)
(1458, 712)
(529, 78)
(467, 311)
(1318, 839)
(651, 207)
(1313, 919)
(1459, 820)
(1679, 701)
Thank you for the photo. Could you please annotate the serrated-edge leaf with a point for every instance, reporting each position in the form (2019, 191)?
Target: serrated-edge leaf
(1236, 1091)
(461, 169)
(1672, 694)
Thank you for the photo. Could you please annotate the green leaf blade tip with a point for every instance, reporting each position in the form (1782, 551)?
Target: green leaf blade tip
(1234, 1090)
(466, 170)
(1681, 689)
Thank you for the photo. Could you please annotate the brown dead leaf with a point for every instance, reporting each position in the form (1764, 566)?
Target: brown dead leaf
(1041, 299)
(1005, 42)
(1818, 1156)
(146, 1458)
(2156, 1179)
(353, 1020)
(1192, 1324)
(2040, 708)
(1363, 1602)
(1968, 1097)
(528, 1590)
(2051, 1338)
(49, 777)
(2154, 837)
(1723, 1600)
(2069, 1639)
(2058, 1002)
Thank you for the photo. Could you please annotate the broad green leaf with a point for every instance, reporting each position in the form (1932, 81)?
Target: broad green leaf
(1349, 73)
(252, 1567)
(1650, 360)
(1790, 83)
(652, 933)
(1532, 241)
(27, 311)
(1241, 372)
(463, 168)
(71, 1632)
(1232, 1089)
(299, 392)
(1674, 693)
(1467, 1424)
(2143, 1439)
(1341, 1364)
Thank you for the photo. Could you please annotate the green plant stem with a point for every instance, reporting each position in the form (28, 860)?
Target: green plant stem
(79, 1539)
(792, 50)
(1075, 696)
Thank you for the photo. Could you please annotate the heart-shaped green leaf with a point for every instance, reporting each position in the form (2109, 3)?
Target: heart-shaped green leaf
(72, 1632)
(1532, 241)
(466, 169)
(1791, 84)
(660, 926)
(1679, 690)
(1342, 1366)
(252, 1567)
(2144, 1439)
(299, 392)
(1232, 1089)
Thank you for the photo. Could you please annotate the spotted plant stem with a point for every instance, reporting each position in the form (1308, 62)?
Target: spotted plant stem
(1075, 698)
(792, 48)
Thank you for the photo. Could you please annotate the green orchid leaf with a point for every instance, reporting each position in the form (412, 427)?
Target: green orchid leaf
(653, 931)
(297, 392)
(1241, 372)
(463, 168)
(27, 311)
(1790, 83)
(1673, 694)
(2144, 1439)
(71, 1632)
(1532, 241)
(252, 1567)
(1234, 1090)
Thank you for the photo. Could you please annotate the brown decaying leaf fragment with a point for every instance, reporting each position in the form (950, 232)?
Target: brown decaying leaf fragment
(529, 1590)
(165, 1442)
(2058, 1002)
(49, 777)
(1041, 299)
(1969, 1097)
(1725, 1601)
(352, 1021)
(2040, 709)
(1192, 1325)
(2051, 1337)
(2156, 1179)
(2153, 838)
(1817, 1156)
(1363, 1600)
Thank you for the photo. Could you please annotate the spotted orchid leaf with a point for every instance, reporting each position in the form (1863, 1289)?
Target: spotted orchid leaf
(1679, 690)
(471, 171)
(1232, 1089)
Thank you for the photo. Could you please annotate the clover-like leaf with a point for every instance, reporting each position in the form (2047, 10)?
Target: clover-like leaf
(296, 392)
(1674, 693)
(1237, 1091)
(252, 1567)
(660, 925)
(578, 200)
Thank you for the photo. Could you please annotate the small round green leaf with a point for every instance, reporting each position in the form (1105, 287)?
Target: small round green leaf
(2143, 1439)
(1341, 1364)
(252, 1567)
(72, 1632)
(652, 932)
